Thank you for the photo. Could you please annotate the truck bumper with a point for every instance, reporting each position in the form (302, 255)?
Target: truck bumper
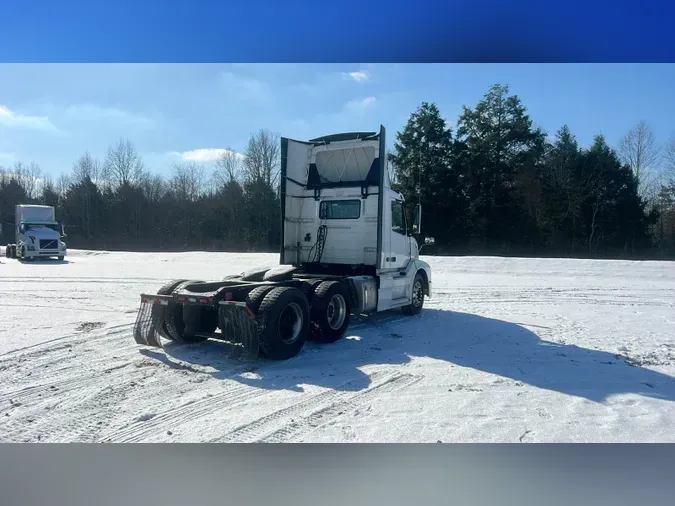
(44, 254)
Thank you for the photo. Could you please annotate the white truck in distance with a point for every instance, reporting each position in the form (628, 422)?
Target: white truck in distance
(348, 247)
(37, 234)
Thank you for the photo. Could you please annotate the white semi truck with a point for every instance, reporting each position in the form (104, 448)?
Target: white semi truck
(37, 234)
(348, 247)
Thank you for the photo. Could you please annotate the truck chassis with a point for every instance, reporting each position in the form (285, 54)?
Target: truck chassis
(268, 312)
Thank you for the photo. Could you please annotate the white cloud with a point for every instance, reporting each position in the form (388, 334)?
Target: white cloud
(359, 76)
(360, 104)
(247, 88)
(91, 112)
(203, 154)
(11, 119)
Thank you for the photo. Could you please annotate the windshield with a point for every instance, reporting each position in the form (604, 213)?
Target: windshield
(41, 226)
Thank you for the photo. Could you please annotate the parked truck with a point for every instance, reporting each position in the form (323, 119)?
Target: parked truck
(348, 247)
(37, 234)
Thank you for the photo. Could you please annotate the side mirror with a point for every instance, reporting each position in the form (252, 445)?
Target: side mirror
(63, 231)
(22, 228)
(417, 219)
(428, 241)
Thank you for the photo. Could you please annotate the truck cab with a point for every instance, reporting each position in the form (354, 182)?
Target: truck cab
(37, 234)
(340, 216)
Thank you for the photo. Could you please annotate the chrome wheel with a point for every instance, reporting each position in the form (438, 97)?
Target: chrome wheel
(417, 294)
(290, 323)
(336, 311)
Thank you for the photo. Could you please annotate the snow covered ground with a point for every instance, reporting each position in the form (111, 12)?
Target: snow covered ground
(507, 350)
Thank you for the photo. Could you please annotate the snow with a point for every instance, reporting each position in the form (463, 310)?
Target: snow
(507, 350)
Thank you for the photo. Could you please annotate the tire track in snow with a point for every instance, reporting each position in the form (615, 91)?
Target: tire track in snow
(297, 429)
(313, 412)
(149, 423)
(46, 347)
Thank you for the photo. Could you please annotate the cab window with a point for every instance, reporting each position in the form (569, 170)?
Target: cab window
(398, 224)
(340, 210)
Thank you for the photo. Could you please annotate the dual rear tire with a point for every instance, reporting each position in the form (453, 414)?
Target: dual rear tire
(288, 317)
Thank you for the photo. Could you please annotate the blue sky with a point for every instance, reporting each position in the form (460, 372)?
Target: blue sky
(52, 113)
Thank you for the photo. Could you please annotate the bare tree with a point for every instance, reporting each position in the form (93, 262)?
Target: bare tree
(87, 167)
(123, 165)
(638, 149)
(153, 186)
(262, 156)
(62, 185)
(29, 175)
(669, 156)
(187, 181)
(228, 168)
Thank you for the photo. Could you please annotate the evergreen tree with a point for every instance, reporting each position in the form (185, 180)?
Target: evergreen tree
(501, 142)
(423, 165)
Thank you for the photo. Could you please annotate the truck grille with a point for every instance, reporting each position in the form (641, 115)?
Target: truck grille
(48, 244)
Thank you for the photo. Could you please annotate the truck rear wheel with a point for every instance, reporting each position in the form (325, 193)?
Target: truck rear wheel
(330, 311)
(283, 323)
(8, 251)
(253, 300)
(173, 325)
(159, 321)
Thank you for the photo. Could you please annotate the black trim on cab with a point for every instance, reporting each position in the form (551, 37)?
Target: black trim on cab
(282, 194)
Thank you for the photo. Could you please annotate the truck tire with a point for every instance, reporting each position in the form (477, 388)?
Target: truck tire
(8, 251)
(61, 258)
(256, 296)
(156, 314)
(14, 251)
(415, 307)
(253, 300)
(330, 311)
(309, 287)
(283, 323)
(173, 324)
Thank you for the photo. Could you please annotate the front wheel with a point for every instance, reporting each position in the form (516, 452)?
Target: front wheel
(417, 300)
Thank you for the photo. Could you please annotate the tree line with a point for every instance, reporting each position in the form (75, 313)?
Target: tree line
(493, 184)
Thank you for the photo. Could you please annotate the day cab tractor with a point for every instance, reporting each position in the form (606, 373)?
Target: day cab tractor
(348, 247)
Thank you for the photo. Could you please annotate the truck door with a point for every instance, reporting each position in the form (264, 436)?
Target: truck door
(399, 242)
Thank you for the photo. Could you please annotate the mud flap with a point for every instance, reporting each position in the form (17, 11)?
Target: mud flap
(239, 328)
(150, 322)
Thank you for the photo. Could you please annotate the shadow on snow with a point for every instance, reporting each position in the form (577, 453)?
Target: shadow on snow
(467, 340)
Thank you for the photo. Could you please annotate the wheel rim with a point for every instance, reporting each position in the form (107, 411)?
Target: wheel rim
(418, 294)
(290, 323)
(336, 311)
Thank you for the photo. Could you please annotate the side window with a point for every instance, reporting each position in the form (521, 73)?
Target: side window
(340, 210)
(398, 218)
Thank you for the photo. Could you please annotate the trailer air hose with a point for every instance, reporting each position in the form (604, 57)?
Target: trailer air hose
(321, 235)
